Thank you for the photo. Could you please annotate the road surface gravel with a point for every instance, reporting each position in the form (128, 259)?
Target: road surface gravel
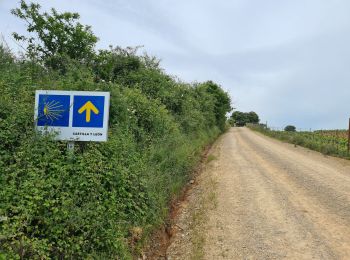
(273, 201)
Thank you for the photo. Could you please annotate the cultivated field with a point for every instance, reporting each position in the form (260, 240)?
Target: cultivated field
(329, 142)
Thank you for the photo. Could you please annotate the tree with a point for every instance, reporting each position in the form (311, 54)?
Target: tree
(290, 128)
(116, 63)
(238, 118)
(241, 118)
(222, 102)
(55, 35)
(253, 117)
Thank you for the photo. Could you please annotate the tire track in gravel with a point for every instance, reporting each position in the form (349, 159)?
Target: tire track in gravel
(275, 201)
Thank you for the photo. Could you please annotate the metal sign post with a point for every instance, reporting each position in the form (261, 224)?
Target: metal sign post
(349, 138)
(70, 150)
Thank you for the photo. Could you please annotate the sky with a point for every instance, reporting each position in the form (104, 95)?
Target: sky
(287, 60)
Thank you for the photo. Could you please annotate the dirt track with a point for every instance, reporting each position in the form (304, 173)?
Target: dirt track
(273, 201)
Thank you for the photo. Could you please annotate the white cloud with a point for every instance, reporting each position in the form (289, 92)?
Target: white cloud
(286, 60)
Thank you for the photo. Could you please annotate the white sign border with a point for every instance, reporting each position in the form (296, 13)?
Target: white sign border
(90, 134)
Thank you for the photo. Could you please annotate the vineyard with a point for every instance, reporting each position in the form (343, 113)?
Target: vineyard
(329, 142)
(333, 133)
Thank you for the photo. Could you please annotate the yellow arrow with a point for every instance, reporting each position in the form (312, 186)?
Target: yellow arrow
(88, 106)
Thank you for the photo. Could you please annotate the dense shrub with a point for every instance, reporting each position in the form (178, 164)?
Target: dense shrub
(54, 206)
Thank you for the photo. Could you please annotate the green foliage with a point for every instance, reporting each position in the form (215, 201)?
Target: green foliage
(253, 118)
(53, 206)
(114, 64)
(222, 103)
(55, 36)
(290, 128)
(327, 142)
(241, 118)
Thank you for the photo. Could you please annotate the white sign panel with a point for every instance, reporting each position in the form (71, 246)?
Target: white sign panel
(73, 115)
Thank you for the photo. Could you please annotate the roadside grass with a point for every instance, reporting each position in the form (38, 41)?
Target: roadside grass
(327, 145)
(199, 216)
(210, 158)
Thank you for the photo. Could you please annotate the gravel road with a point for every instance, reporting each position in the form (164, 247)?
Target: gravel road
(275, 201)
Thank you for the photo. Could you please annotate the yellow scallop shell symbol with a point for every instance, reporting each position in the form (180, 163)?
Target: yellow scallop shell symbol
(53, 110)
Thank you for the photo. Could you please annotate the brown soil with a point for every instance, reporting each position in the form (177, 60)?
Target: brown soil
(162, 238)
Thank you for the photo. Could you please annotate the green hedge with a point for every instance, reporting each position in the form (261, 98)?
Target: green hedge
(52, 206)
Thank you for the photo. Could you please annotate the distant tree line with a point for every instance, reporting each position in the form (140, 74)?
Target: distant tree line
(239, 118)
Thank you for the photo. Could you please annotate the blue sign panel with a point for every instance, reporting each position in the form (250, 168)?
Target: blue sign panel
(53, 110)
(88, 111)
(72, 115)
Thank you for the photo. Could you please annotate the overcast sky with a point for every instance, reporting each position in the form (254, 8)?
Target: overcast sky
(287, 60)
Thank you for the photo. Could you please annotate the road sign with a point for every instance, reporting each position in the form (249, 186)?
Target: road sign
(53, 110)
(88, 111)
(73, 115)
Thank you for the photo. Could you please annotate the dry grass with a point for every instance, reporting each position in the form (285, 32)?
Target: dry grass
(199, 216)
(210, 158)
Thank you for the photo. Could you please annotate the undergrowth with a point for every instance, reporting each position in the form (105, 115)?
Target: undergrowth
(52, 206)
